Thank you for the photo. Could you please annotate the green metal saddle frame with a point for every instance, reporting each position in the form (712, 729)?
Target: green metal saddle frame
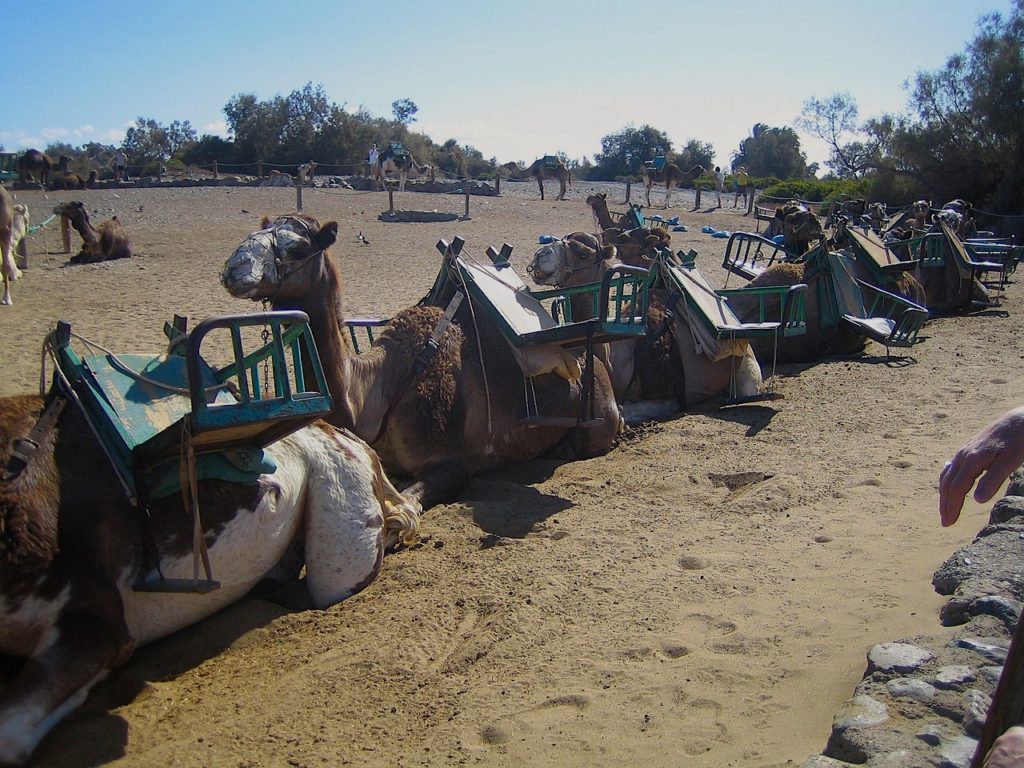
(529, 318)
(143, 407)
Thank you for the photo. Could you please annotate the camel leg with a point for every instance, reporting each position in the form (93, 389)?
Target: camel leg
(540, 183)
(668, 195)
(648, 188)
(75, 654)
(437, 484)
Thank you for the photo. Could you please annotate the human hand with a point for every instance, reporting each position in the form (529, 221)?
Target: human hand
(1007, 751)
(994, 453)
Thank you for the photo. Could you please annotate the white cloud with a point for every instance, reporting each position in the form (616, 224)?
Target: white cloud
(216, 128)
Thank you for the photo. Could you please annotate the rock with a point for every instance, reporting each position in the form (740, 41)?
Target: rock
(910, 688)
(958, 753)
(953, 676)
(897, 657)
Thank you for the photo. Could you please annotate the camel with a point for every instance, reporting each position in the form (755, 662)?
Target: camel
(671, 175)
(798, 225)
(306, 172)
(72, 547)
(107, 243)
(69, 180)
(32, 163)
(662, 372)
(548, 167)
(395, 159)
(922, 211)
(8, 267)
(948, 287)
(636, 246)
(439, 423)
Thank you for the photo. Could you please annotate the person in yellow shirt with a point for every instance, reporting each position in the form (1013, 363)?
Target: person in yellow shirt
(741, 186)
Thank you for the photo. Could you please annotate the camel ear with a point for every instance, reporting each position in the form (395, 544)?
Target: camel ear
(607, 252)
(327, 235)
(579, 249)
(265, 222)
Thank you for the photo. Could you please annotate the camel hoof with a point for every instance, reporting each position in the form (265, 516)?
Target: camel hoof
(6, 301)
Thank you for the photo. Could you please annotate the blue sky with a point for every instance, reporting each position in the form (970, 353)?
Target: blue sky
(516, 79)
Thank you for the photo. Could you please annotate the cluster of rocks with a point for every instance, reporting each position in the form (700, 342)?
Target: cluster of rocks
(923, 701)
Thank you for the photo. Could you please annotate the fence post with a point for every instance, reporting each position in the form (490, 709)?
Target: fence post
(750, 199)
(298, 193)
(23, 252)
(466, 188)
(259, 169)
(497, 183)
(696, 204)
(65, 233)
(629, 189)
(391, 201)
(215, 169)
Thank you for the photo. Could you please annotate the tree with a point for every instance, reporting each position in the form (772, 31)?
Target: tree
(150, 142)
(623, 153)
(696, 153)
(832, 119)
(772, 152)
(404, 111)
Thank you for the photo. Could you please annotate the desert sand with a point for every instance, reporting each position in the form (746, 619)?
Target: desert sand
(703, 595)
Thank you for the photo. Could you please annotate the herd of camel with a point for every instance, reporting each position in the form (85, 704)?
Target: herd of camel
(437, 398)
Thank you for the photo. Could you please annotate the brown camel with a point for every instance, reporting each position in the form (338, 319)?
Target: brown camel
(107, 243)
(548, 167)
(662, 372)
(798, 225)
(440, 422)
(397, 160)
(671, 176)
(69, 180)
(34, 163)
(72, 548)
(636, 246)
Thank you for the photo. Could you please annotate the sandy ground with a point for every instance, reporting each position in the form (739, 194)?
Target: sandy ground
(704, 595)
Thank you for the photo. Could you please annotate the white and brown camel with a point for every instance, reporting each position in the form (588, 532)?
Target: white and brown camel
(32, 164)
(549, 167)
(393, 161)
(672, 176)
(663, 372)
(452, 418)
(72, 547)
(13, 228)
(109, 242)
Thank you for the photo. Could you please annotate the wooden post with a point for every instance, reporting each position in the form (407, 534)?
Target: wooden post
(750, 199)
(696, 204)
(466, 189)
(497, 184)
(298, 193)
(23, 252)
(629, 189)
(391, 201)
(259, 169)
(65, 233)
(215, 169)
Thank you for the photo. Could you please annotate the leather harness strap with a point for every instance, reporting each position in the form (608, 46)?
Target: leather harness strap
(25, 447)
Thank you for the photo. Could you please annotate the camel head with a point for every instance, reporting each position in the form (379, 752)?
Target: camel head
(800, 227)
(76, 213)
(638, 247)
(278, 260)
(556, 262)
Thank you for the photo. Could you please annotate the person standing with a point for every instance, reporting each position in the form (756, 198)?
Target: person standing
(719, 184)
(120, 165)
(371, 160)
(741, 186)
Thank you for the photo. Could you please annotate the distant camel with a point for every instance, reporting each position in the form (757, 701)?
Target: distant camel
(107, 243)
(671, 175)
(34, 162)
(549, 167)
(397, 159)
